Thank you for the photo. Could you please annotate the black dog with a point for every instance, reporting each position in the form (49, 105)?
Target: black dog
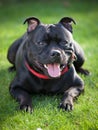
(43, 58)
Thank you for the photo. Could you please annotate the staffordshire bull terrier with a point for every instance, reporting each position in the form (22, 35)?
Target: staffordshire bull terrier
(46, 59)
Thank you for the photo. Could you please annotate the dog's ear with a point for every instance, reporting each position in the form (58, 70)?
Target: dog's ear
(67, 23)
(32, 22)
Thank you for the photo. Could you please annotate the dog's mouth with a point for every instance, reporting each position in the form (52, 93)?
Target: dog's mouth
(54, 70)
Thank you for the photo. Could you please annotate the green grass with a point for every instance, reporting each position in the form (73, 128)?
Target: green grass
(46, 114)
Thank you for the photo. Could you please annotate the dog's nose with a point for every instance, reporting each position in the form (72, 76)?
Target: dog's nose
(55, 54)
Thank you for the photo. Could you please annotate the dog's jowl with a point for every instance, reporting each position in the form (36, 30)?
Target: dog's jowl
(46, 59)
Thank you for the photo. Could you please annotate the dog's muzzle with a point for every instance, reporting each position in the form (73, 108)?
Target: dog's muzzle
(55, 69)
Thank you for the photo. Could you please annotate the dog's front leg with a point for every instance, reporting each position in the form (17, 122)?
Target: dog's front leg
(69, 96)
(23, 97)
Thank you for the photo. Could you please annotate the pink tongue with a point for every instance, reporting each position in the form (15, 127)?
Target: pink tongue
(54, 70)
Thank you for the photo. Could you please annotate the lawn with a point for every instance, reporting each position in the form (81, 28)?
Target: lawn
(46, 114)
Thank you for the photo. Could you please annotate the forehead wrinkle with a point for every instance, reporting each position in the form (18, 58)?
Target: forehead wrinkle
(58, 32)
(53, 31)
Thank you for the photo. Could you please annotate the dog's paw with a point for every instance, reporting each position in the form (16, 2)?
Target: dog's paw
(66, 105)
(26, 108)
(83, 71)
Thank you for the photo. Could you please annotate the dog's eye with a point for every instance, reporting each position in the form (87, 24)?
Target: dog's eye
(41, 43)
(64, 43)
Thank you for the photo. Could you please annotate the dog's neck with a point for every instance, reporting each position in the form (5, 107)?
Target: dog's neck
(42, 76)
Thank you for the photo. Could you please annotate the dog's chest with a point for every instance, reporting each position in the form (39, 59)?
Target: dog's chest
(48, 86)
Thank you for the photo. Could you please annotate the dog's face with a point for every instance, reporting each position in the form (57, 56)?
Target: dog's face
(49, 47)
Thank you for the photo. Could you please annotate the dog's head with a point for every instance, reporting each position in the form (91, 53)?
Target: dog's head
(49, 47)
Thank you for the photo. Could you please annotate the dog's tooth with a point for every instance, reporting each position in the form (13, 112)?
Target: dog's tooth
(45, 66)
(62, 67)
